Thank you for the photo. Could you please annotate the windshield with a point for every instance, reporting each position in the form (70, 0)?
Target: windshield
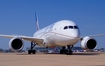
(71, 27)
(75, 27)
(66, 27)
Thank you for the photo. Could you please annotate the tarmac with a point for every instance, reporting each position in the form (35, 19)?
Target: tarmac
(54, 59)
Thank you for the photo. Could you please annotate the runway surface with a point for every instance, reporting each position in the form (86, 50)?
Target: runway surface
(45, 59)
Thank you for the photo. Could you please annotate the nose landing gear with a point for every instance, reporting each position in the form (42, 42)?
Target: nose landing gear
(67, 51)
(63, 50)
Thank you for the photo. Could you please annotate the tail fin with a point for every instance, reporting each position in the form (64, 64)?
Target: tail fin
(37, 24)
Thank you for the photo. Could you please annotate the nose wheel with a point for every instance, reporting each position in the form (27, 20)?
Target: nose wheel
(67, 51)
(32, 51)
(63, 50)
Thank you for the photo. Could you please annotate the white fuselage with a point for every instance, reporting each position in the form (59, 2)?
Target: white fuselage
(61, 33)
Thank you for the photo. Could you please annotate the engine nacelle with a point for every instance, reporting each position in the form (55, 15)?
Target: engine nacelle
(16, 44)
(45, 42)
(88, 43)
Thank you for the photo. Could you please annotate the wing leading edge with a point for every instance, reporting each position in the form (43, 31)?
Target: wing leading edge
(27, 38)
(37, 40)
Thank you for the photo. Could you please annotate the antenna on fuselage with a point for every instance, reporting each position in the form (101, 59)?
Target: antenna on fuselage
(37, 23)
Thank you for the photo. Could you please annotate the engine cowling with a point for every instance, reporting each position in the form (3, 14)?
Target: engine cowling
(45, 42)
(16, 44)
(88, 43)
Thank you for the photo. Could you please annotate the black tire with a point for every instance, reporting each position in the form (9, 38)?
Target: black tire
(29, 51)
(69, 52)
(34, 51)
(61, 51)
(65, 51)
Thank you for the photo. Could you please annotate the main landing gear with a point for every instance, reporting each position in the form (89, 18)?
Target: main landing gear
(31, 49)
(67, 51)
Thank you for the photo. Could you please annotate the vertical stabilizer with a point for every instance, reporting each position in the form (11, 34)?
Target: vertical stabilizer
(37, 23)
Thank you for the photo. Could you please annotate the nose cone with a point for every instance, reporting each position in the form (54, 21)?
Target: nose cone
(75, 33)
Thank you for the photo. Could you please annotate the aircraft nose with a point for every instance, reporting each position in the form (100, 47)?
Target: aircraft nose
(75, 33)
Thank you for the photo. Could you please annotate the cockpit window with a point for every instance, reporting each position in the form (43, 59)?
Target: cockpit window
(70, 27)
(75, 27)
(66, 27)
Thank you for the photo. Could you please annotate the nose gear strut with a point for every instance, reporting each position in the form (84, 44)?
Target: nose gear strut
(67, 51)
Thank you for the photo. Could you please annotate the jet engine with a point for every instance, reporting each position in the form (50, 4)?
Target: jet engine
(45, 42)
(16, 44)
(88, 43)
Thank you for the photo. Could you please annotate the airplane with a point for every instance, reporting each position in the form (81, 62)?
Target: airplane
(63, 33)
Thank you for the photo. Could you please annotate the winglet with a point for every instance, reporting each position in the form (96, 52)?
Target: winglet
(37, 24)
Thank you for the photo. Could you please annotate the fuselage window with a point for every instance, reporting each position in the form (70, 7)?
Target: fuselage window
(70, 27)
(66, 27)
(75, 27)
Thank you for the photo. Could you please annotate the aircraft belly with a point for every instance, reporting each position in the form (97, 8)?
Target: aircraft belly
(56, 40)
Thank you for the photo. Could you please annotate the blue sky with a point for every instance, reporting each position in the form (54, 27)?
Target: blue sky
(18, 17)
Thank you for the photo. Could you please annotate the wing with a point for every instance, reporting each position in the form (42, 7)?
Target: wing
(98, 35)
(92, 36)
(28, 38)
